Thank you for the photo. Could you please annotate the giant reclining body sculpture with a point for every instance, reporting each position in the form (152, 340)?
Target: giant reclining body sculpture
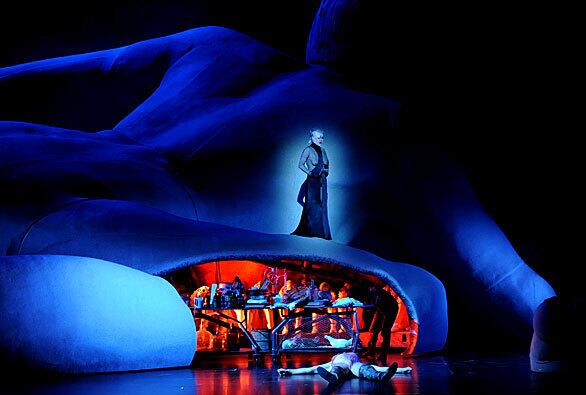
(198, 164)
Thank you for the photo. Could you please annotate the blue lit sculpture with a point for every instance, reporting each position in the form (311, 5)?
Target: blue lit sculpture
(182, 150)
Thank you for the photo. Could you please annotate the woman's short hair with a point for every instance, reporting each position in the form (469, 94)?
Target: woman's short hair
(312, 131)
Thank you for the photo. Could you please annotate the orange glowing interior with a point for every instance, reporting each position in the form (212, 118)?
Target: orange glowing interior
(404, 331)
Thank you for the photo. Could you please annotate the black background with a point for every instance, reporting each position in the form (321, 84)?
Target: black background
(497, 86)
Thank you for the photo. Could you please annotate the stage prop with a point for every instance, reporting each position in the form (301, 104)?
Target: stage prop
(204, 128)
(72, 314)
(296, 341)
(158, 243)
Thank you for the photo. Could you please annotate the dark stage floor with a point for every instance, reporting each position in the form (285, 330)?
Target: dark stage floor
(233, 374)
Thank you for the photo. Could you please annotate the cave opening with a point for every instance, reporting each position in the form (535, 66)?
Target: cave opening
(278, 277)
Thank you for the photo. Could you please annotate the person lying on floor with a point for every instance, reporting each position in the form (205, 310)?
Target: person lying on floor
(346, 365)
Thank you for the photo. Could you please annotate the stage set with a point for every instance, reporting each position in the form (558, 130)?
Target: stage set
(214, 202)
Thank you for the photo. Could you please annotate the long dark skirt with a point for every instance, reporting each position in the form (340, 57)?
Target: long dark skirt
(314, 218)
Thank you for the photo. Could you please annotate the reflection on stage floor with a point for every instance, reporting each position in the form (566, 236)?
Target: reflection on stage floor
(237, 374)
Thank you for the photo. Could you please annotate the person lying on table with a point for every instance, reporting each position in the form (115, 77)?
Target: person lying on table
(346, 365)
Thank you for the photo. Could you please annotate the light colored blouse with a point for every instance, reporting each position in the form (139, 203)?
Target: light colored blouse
(309, 159)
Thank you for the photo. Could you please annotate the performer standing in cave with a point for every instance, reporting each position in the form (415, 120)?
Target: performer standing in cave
(384, 317)
(313, 195)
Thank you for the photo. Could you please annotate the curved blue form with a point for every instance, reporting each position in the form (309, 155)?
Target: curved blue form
(94, 91)
(225, 117)
(82, 315)
(54, 167)
(156, 242)
(467, 247)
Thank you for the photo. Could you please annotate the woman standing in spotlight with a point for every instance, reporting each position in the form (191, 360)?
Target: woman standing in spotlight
(313, 195)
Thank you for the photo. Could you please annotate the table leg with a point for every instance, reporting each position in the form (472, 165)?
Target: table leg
(274, 333)
(356, 331)
(255, 347)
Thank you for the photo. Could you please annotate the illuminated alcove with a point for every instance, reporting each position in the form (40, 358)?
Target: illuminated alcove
(405, 329)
